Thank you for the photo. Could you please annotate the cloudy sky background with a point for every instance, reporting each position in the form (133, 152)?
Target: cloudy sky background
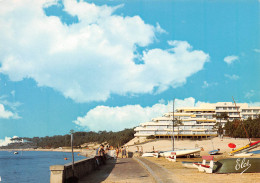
(110, 65)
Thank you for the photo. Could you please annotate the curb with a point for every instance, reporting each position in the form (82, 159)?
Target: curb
(151, 172)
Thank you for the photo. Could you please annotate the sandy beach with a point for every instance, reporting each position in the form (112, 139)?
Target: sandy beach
(186, 175)
(207, 145)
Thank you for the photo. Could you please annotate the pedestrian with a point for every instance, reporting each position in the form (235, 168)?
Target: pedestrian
(123, 152)
(117, 152)
(97, 151)
(101, 154)
(127, 151)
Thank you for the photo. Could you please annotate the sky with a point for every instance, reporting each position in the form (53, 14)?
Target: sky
(110, 65)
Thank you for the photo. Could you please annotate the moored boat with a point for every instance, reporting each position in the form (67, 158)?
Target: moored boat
(181, 152)
(189, 164)
(246, 148)
(237, 165)
(255, 152)
(214, 152)
(244, 154)
(150, 154)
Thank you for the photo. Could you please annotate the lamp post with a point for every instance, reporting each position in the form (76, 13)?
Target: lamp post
(71, 133)
(173, 125)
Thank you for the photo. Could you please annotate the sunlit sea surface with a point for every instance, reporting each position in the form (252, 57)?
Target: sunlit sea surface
(31, 166)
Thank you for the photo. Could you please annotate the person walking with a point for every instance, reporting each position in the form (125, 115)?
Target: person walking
(117, 152)
(101, 154)
(123, 149)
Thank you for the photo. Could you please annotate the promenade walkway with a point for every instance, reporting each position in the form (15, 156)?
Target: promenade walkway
(159, 173)
(120, 170)
(130, 170)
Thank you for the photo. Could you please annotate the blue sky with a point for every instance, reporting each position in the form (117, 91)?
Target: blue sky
(109, 65)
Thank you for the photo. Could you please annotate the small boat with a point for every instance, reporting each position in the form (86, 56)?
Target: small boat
(244, 154)
(246, 148)
(15, 152)
(237, 165)
(255, 152)
(189, 164)
(181, 152)
(214, 152)
(150, 154)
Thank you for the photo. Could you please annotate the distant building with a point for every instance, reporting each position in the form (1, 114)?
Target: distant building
(17, 140)
(195, 122)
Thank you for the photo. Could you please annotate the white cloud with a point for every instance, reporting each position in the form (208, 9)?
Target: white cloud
(91, 59)
(232, 77)
(13, 93)
(4, 102)
(231, 59)
(159, 29)
(165, 68)
(187, 102)
(257, 50)
(254, 104)
(118, 118)
(250, 94)
(206, 84)
(6, 141)
(5, 114)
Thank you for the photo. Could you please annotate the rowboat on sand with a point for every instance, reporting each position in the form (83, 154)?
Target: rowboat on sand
(237, 165)
(180, 152)
(150, 154)
(214, 152)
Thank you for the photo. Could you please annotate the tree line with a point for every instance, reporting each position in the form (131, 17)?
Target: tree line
(112, 138)
(239, 129)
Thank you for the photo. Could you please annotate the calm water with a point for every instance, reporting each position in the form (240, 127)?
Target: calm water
(31, 166)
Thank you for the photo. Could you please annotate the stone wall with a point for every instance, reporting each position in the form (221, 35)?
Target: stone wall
(65, 173)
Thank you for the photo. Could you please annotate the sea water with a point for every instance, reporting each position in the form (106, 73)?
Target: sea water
(31, 166)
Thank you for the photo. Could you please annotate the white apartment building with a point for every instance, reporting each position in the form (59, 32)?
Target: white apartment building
(195, 122)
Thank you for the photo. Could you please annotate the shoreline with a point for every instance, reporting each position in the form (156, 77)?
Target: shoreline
(82, 152)
(49, 150)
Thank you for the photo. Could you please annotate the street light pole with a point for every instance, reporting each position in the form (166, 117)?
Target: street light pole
(173, 125)
(72, 153)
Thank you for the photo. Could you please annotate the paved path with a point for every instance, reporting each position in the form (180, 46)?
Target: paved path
(120, 170)
(160, 174)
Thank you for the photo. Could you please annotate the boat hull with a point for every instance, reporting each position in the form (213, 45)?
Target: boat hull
(181, 152)
(150, 154)
(237, 165)
(244, 154)
(214, 152)
(189, 164)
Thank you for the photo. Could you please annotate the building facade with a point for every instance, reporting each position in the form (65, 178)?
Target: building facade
(196, 122)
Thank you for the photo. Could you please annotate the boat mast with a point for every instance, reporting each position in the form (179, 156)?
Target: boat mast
(241, 120)
(173, 125)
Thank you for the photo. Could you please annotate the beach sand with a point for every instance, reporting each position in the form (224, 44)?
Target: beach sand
(186, 175)
(207, 145)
